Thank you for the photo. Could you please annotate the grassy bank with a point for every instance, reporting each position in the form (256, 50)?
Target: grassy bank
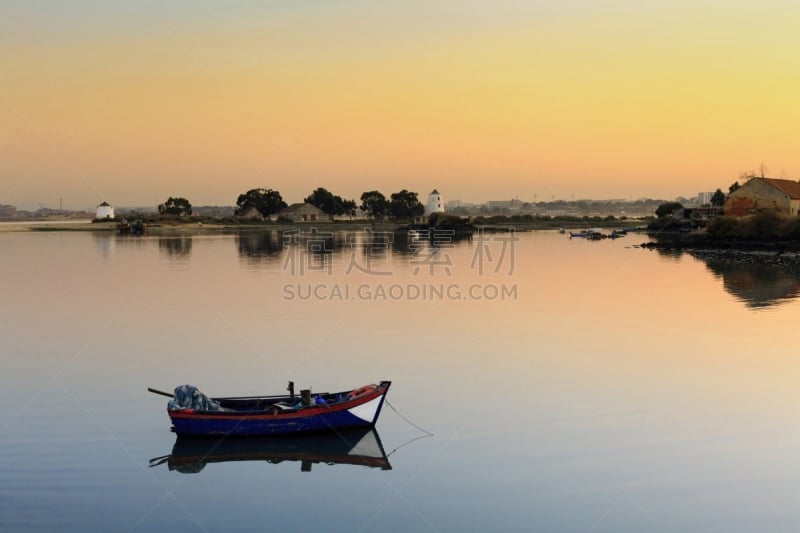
(765, 226)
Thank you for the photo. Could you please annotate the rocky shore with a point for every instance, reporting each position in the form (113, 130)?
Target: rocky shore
(784, 254)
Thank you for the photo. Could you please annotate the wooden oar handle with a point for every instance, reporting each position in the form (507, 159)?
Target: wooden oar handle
(161, 392)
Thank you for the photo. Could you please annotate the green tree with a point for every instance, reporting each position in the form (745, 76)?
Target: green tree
(175, 206)
(349, 206)
(330, 203)
(735, 185)
(718, 198)
(374, 203)
(405, 204)
(667, 209)
(266, 201)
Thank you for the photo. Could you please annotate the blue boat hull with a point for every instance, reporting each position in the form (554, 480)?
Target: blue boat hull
(361, 411)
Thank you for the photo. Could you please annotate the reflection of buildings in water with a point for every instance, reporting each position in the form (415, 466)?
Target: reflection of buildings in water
(107, 241)
(175, 248)
(756, 284)
(104, 241)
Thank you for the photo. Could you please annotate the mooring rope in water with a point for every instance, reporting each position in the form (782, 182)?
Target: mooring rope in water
(407, 420)
(425, 431)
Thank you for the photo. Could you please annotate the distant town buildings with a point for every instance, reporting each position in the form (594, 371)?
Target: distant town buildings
(703, 198)
(8, 211)
(500, 204)
(554, 208)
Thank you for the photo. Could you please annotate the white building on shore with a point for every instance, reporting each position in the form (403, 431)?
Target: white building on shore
(435, 204)
(104, 211)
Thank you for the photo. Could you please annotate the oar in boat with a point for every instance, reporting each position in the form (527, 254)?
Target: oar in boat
(170, 395)
(290, 388)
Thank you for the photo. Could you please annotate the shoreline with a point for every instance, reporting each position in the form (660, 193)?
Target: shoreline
(768, 254)
(157, 228)
(694, 242)
(172, 228)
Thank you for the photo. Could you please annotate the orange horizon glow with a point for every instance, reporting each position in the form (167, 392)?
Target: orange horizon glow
(609, 101)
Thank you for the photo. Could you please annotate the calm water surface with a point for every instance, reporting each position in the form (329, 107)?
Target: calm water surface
(569, 385)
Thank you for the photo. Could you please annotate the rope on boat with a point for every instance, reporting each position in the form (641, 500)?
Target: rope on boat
(428, 433)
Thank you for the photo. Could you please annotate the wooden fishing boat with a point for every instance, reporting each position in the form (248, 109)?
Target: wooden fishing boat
(194, 414)
(358, 447)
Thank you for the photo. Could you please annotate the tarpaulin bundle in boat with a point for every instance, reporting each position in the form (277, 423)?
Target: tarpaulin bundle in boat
(190, 397)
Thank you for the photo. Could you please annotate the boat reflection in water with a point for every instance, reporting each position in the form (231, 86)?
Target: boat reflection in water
(359, 447)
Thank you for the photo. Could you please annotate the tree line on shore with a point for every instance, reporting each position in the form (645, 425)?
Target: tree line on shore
(269, 202)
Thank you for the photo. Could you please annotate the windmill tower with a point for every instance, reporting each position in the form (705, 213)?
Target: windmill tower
(104, 211)
(435, 204)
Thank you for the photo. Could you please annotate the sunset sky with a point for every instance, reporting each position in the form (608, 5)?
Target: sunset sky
(132, 102)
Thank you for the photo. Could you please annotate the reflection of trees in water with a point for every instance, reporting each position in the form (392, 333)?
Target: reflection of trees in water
(272, 245)
(403, 241)
(175, 247)
(312, 250)
(754, 282)
(259, 245)
(316, 242)
(363, 245)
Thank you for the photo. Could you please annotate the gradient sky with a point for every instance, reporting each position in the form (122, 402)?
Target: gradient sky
(483, 100)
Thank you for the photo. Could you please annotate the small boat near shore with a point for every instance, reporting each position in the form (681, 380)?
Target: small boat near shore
(591, 234)
(194, 414)
(596, 234)
(126, 228)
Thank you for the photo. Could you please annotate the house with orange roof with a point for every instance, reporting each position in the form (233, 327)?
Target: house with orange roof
(760, 194)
